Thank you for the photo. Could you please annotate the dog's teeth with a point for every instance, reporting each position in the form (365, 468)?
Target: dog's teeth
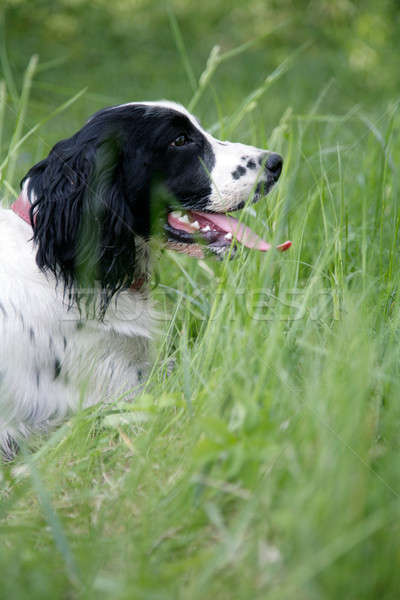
(184, 219)
(228, 236)
(195, 224)
(206, 228)
(176, 214)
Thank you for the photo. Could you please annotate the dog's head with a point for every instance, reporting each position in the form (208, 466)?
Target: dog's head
(91, 197)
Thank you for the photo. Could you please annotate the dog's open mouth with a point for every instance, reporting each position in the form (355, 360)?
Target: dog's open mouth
(192, 232)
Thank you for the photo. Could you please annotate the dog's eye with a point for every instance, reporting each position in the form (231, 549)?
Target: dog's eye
(181, 140)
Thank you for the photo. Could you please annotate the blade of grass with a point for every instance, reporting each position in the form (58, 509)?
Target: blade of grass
(252, 99)
(3, 100)
(55, 525)
(177, 35)
(34, 129)
(22, 108)
(216, 58)
(9, 78)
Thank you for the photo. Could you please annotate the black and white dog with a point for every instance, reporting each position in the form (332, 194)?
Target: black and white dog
(83, 221)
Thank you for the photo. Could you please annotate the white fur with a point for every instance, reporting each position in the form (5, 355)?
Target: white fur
(227, 193)
(100, 360)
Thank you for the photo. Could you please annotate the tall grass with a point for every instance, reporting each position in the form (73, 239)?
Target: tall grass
(13, 109)
(266, 465)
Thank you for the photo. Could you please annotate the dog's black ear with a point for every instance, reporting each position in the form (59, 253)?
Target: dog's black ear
(85, 218)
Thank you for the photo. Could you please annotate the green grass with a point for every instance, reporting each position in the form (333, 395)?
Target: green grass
(267, 465)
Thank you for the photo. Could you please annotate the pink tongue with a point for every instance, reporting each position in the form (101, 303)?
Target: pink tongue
(243, 234)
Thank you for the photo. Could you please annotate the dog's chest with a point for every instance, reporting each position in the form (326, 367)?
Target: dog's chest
(49, 354)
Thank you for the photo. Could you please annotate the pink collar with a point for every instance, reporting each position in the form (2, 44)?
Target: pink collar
(22, 208)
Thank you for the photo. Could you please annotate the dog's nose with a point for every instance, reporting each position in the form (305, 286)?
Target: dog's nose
(274, 165)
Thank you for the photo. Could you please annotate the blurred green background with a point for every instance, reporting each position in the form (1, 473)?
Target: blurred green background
(124, 50)
(268, 462)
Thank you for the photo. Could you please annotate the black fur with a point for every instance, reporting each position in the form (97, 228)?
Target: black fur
(93, 192)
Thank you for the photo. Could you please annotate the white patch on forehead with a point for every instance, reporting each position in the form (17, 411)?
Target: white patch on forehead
(165, 104)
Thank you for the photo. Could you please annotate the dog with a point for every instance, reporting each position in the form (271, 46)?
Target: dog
(81, 228)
